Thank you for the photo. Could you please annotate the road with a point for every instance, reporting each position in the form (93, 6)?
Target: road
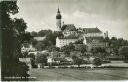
(79, 74)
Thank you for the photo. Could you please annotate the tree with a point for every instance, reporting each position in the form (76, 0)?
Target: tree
(25, 38)
(99, 52)
(40, 46)
(34, 42)
(41, 58)
(97, 62)
(68, 48)
(52, 48)
(124, 51)
(33, 33)
(77, 58)
(79, 41)
(82, 48)
(11, 45)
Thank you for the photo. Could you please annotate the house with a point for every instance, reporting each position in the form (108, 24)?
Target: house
(27, 61)
(92, 42)
(62, 41)
(26, 47)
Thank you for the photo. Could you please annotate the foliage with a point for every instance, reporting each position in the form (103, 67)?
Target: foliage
(81, 47)
(97, 62)
(41, 58)
(34, 42)
(33, 33)
(25, 37)
(55, 54)
(68, 48)
(31, 55)
(115, 43)
(48, 42)
(12, 29)
(77, 57)
(33, 63)
(98, 50)
(124, 51)
(40, 45)
(53, 48)
(79, 41)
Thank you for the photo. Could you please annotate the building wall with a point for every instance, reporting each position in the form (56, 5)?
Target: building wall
(93, 35)
(63, 42)
(93, 45)
(67, 33)
(58, 23)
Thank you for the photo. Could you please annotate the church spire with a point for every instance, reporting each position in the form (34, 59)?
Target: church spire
(58, 6)
(58, 10)
(58, 17)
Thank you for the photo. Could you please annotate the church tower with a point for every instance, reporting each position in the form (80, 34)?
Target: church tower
(58, 19)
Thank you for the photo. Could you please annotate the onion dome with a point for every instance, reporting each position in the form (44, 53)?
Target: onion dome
(58, 16)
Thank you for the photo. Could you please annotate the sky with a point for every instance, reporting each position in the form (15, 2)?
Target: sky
(107, 15)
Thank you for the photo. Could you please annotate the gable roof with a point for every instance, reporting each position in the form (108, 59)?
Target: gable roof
(91, 30)
(68, 37)
(69, 27)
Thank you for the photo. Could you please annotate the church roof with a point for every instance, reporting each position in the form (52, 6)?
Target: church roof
(68, 37)
(58, 16)
(69, 27)
(91, 30)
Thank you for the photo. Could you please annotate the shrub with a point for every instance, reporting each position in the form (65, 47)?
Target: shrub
(97, 62)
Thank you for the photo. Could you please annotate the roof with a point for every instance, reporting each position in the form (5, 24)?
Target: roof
(91, 39)
(26, 60)
(91, 30)
(39, 38)
(58, 16)
(68, 37)
(69, 27)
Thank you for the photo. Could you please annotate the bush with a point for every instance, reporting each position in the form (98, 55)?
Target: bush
(106, 61)
(97, 62)
(125, 61)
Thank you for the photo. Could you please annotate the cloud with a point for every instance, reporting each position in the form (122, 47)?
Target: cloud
(111, 15)
(116, 28)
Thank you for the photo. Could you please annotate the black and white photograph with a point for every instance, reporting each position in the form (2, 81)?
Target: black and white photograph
(64, 40)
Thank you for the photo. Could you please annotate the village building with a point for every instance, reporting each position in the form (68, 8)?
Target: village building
(27, 61)
(93, 42)
(62, 41)
(27, 47)
(39, 38)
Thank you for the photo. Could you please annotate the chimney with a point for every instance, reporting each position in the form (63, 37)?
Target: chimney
(106, 34)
